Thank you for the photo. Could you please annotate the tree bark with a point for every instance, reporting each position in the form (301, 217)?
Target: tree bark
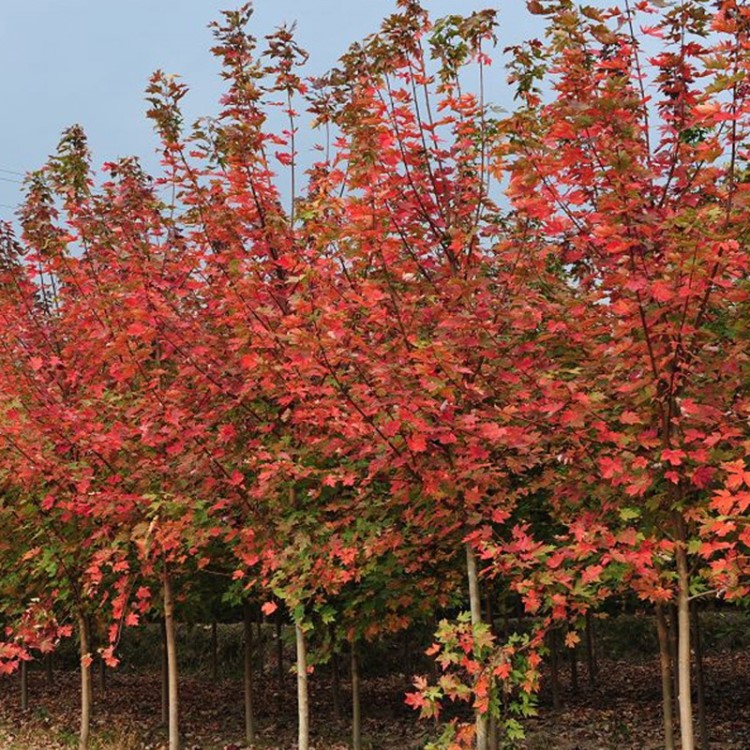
(336, 685)
(303, 706)
(489, 612)
(493, 740)
(591, 667)
(172, 687)
(260, 647)
(673, 656)
(24, 670)
(248, 679)
(504, 615)
(406, 656)
(214, 651)
(83, 639)
(574, 670)
(356, 703)
(554, 665)
(475, 606)
(48, 670)
(665, 663)
(91, 632)
(164, 676)
(279, 653)
(700, 685)
(683, 643)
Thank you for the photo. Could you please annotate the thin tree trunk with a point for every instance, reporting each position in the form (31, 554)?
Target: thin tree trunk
(476, 620)
(488, 610)
(336, 685)
(591, 667)
(248, 679)
(574, 669)
(683, 644)
(406, 656)
(260, 647)
(665, 663)
(83, 639)
(101, 665)
(356, 704)
(700, 685)
(169, 626)
(214, 651)
(279, 652)
(90, 630)
(554, 665)
(505, 614)
(164, 676)
(24, 685)
(673, 656)
(493, 737)
(48, 670)
(303, 706)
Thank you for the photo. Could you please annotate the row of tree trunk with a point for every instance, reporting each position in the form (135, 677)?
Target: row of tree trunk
(671, 658)
(681, 666)
(170, 692)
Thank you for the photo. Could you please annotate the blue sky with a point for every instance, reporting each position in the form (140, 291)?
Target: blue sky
(88, 62)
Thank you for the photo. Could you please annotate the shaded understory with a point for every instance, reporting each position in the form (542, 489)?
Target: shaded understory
(620, 712)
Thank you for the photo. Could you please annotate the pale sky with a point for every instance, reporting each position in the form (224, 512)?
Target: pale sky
(88, 62)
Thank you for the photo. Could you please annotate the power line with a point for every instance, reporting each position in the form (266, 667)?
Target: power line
(12, 171)
(10, 179)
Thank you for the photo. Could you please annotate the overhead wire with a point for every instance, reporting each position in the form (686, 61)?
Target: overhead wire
(11, 180)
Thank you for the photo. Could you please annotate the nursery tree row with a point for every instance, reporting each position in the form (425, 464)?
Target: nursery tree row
(452, 347)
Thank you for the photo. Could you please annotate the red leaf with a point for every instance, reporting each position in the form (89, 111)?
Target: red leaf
(269, 608)
(673, 456)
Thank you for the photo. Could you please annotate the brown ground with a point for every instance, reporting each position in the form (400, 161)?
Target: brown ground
(622, 712)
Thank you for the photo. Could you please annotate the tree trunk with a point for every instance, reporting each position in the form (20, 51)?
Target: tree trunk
(303, 707)
(91, 633)
(248, 679)
(169, 627)
(683, 643)
(505, 615)
(48, 670)
(700, 685)
(493, 740)
(476, 620)
(279, 653)
(214, 651)
(672, 612)
(665, 663)
(591, 667)
(489, 612)
(554, 667)
(164, 676)
(260, 647)
(83, 639)
(24, 685)
(406, 657)
(356, 704)
(574, 669)
(102, 665)
(336, 685)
